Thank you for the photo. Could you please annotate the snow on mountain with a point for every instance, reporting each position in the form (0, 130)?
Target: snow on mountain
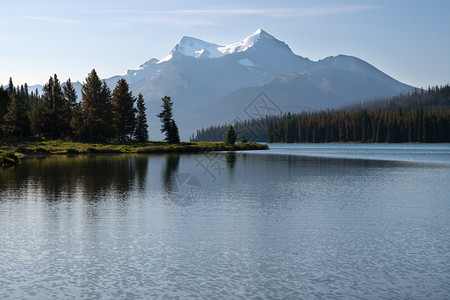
(193, 47)
(211, 83)
(247, 43)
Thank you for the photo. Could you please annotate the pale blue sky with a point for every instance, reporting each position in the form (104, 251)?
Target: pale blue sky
(409, 40)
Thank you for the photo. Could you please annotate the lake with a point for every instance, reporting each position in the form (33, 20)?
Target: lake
(297, 221)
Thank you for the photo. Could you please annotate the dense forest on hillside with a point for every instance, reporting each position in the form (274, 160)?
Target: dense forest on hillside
(422, 116)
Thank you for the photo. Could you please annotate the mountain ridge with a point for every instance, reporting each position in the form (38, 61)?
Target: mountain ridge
(202, 78)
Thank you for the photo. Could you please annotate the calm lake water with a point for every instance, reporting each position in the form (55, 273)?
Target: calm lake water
(298, 221)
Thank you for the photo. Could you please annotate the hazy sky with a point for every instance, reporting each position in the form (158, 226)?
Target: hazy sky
(407, 39)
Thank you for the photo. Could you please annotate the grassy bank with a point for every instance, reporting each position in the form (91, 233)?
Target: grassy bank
(12, 147)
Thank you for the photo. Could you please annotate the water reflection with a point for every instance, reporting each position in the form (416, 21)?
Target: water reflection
(65, 177)
(181, 189)
(171, 167)
(276, 226)
(230, 158)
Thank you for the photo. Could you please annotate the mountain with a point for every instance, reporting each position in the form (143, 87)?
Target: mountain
(212, 84)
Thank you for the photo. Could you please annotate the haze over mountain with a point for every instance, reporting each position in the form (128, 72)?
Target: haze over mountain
(214, 84)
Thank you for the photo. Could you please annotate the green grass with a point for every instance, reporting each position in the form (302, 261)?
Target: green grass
(33, 146)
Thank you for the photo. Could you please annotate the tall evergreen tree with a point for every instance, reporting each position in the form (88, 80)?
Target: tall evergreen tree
(77, 123)
(107, 131)
(141, 130)
(174, 134)
(54, 114)
(74, 110)
(4, 103)
(230, 139)
(27, 97)
(168, 126)
(270, 133)
(11, 89)
(96, 107)
(16, 121)
(37, 116)
(70, 94)
(124, 113)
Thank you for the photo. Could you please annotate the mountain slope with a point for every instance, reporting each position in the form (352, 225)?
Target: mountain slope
(211, 83)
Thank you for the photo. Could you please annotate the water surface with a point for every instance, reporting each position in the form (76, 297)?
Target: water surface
(298, 221)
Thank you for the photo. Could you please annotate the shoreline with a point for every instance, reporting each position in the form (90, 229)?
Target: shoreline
(11, 152)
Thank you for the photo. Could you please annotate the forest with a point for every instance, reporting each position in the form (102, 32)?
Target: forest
(421, 116)
(100, 116)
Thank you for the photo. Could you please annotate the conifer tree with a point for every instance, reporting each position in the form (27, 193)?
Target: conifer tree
(53, 115)
(96, 107)
(141, 130)
(77, 123)
(107, 130)
(11, 89)
(70, 94)
(168, 125)
(231, 136)
(270, 133)
(4, 103)
(37, 117)
(174, 134)
(16, 121)
(74, 110)
(124, 113)
(27, 97)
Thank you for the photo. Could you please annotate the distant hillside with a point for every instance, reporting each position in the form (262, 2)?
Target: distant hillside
(421, 116)
(431, 99)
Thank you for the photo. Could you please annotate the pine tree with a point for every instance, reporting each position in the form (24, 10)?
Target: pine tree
(174, 134)
(141, 130)
(53, 113)
(269, 133)
(36, 117)
(168, 126)
(74, 110)
(77, 123)
(420, 130)
(11, 89)
(70, 94)
(231, 136)
(16, 121)
(289, 129)
(4, 103)
(124, 113)
(27, 97)
(107, 131)
(97, 109)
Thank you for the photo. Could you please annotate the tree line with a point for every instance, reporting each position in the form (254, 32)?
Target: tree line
(100, 116)
(414, 117)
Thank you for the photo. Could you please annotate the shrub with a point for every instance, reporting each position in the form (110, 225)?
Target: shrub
(8, 159)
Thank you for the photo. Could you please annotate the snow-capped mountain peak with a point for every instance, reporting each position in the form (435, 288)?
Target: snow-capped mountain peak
(205, 78)
(190, 46)
(246, 43)
(193, 47)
